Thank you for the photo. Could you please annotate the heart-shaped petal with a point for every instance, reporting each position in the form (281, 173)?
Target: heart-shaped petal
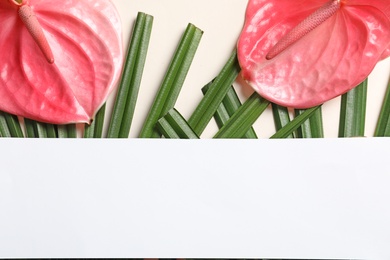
(326, 62)
(86, 41)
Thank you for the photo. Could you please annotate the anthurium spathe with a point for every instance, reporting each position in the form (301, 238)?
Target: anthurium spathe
(59, 58)
(302, 53)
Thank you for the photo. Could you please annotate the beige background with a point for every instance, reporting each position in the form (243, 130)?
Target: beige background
(221, 21)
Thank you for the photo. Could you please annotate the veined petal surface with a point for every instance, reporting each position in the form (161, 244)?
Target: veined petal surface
(86, 40)
(326, 62)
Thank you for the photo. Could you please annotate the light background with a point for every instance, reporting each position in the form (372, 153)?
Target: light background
(221, 21)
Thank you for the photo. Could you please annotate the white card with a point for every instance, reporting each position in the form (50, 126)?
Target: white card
(201, 199)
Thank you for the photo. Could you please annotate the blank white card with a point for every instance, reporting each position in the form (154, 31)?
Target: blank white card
(325, 198)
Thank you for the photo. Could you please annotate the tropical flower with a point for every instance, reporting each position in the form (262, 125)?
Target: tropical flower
(60, 59)
(302, 53)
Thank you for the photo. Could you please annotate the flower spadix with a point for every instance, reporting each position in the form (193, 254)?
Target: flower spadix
(302, 53)
(59, 59)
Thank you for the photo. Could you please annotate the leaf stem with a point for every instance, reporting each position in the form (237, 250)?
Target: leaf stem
(40, 129)
(95, 129)
(289, 128)
(281, 117)
(62, 131)
(215, 95)
(30, 128)
(173, 125)
(312, 127)
(173, 80)
(230, 104)
(14, 125)
(51, 131)
(124, 106)
(353, 111)
(35, 129)
(383, 125)
(4, 130)
(242, 120)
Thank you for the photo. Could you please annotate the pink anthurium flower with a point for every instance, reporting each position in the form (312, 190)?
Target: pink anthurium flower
(60, 59)
(302, 53)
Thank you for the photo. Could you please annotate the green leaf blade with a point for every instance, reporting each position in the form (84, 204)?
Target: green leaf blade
(230, 104)
(173, 125)
(383, 125)
(125, 102)
(312, 127)
(51, 131)
(281, 117)
(215, 95)
(243, 119)
(95, 129)
(173, 80)
(289, 128)
(4, 130)
(353, 112)
(14, 125)
(31, 131)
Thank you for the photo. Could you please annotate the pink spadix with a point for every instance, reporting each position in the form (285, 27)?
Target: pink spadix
(30, 20)
(60, 58)
(304, 27)
(32, 24)
(302, 53)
